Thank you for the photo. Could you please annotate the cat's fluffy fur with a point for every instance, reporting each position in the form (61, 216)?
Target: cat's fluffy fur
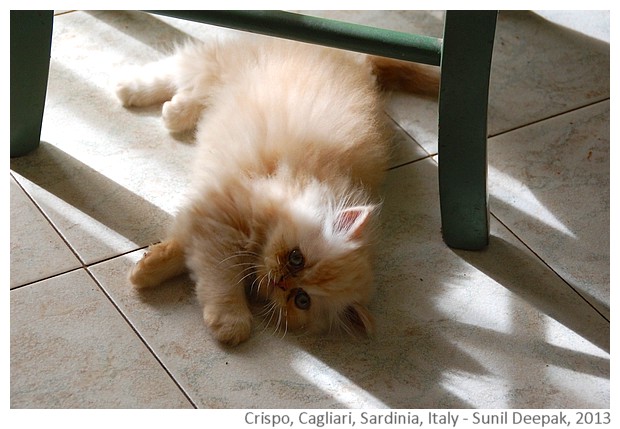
(292, 143)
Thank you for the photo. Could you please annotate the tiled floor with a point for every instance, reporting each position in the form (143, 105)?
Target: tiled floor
(524, 323)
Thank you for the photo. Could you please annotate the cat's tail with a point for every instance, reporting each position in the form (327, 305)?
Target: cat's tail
(397, 75)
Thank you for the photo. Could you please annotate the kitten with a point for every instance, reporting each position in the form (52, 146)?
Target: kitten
(292, 143)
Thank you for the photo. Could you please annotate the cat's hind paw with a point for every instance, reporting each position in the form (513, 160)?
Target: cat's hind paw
(129, 94)
(141, 86)
(181, 113)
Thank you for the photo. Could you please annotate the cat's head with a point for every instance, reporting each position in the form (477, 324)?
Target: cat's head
(313, 272)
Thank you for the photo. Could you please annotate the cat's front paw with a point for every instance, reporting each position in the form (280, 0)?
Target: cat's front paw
(161, 262)
(141, 275)
(228, 327)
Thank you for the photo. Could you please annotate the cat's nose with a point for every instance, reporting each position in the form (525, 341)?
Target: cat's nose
(283, 283)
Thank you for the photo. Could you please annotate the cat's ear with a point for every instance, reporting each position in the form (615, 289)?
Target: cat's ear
(353, 221)
(359, 319)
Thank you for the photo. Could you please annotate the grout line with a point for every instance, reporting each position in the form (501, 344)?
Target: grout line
(492, 214)
(82, 266)
(429, 155)
(109, 258)
(548, 118)
(117, 308)
(64, 12)
(409, 162)
(47, 278)
(549, 266)
(86, 267)
(404, 131)
(141, 338)
(49, 221)
(83, 263)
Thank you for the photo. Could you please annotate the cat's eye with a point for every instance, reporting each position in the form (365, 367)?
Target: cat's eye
(302, 300)
(296, 259)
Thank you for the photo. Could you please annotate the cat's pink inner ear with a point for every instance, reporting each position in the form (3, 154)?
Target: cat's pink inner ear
(353, 221)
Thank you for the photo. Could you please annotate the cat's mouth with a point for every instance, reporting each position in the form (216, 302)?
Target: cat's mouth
(283, 283)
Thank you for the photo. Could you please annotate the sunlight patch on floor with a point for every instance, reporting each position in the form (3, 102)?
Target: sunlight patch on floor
(333, 383)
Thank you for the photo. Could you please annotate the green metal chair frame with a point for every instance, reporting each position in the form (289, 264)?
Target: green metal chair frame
(464, 56)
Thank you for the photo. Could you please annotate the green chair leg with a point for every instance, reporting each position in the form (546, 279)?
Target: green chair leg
(31, 41)
(465, 70)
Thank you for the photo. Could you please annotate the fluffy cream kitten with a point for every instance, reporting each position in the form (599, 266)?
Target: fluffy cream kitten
(292, 144)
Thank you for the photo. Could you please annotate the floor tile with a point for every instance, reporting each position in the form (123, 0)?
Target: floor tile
(475, 333)
(525, 85)
(98, 216)
(57, 363)
(37, 251)
(549, 183)
(593, 23)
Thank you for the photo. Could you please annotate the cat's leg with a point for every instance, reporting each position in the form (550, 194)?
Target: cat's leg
(198, 71)
(225, 312)
(220, 288)
(161, 262)
(147, 85)
(183, 82)
(219, 268)
(182, 112)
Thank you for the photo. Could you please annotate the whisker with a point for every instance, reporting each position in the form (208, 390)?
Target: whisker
(285, 322)
(262, 325)
(272, 310)
(260, 283)
(228, 258)
(300, 333)
(252, 286)
(343, 326)
(255, 243)
(246, 272)
(279, 321)
(241, 264)
(266, 309)
(251, 273)
(239, 254)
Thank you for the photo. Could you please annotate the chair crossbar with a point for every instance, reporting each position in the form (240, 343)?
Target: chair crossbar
(323, 31)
